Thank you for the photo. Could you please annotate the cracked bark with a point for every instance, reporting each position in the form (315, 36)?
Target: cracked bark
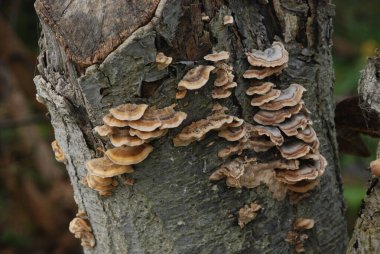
(365, 238)
(173, 208)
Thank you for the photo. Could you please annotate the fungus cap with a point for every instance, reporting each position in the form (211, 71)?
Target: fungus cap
(217, 56)
(289, 97)
(263, 73)
(270, 131)
(265, 98)
(181, 94)
(169, 117)
(268, 117)
(196, 77)
(375, 168)
(232, 134)
(127, 155)
(294, 149)
(261, 88)
(111, 121)
(163, 61)
(147, 135)
(307, 135)
(104, 167)
(58, 152)
(274, 56)
(302, 223)
(220, 93)
(292, 125)
(103, 130)
(120, 137)
(129, 111)
(228, 20)
(148, 122)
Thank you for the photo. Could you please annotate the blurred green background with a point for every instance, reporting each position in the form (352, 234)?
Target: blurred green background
(356, 35)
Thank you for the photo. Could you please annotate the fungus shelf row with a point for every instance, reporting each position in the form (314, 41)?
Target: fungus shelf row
(129, 128)
(281, 123)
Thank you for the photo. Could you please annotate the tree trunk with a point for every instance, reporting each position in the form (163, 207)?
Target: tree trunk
(366, 235)
(99, 54)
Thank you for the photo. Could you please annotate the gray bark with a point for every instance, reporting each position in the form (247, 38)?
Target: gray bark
(173, 208)
(366, 235)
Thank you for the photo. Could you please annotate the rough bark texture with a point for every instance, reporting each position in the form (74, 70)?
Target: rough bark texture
(173, 208)
(366, 236)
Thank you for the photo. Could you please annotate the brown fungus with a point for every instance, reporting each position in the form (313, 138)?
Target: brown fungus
(217, 56)
(127, 155)
(297, 236)
(220, 93)
(163, 61)
(232, 134)
(148, 135)
(81, 229)
(294, 149)
(307, 135)
(270, 57)
(260, 89)
(248, 213)
(375, 167)
(262, 99)
(263, 73)
(228, 20)
(169, 117)
(103, 130)
(58, 152)
(103, 186)
(292, 125)
(196, 77)
(181, 94)
(111, 121)
(272, 132)
(289, 97)
(197, 130)
(120, 137)
(243, 172)
(104, 167)
(268, 117)
(204, 17)
(148, 122)
(129, 111)
(222, 78)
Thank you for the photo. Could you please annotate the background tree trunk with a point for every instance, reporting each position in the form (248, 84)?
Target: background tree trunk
(98, 54)
(366, 235)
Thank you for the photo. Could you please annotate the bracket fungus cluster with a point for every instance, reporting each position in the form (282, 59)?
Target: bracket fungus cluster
(248, 213)
(297, 236)
(268, 62)
(198, 76)
(130, 128)
(224, 81)
(282, 126)
(197, 130)
(80, 227)
(58, 153)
